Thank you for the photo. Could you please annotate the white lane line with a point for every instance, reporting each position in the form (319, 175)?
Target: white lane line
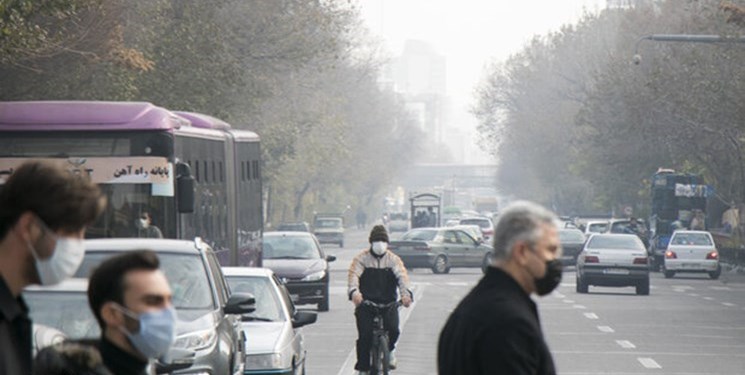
(728, 304)
(606, 329)
(648, 363)
(457, 283)
(720, 288)
(626, 344)
(559, 295)
(580, 307)
(709, 298)
(568, 301)
(693, 294)
(591, 316)
(348, 366)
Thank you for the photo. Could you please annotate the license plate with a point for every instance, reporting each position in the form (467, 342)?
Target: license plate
(691, 265)
(615, 271)
(294, 297)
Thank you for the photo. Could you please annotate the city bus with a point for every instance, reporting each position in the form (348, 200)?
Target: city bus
(191, 174)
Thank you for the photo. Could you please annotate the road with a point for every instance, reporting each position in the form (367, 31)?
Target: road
(688, 325)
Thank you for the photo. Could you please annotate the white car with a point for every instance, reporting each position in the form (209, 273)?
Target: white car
(274, 342)
(596, 227)
(613, 260)
(691, 251)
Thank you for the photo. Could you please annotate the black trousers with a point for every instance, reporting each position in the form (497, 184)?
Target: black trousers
(365, 327)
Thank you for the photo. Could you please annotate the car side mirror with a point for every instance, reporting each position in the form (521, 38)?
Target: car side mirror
(303, 318)
(330, 258)
(240, 303)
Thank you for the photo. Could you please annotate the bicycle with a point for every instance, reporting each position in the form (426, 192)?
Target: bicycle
(379, 353)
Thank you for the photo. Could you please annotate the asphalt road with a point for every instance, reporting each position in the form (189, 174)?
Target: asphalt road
(688, 325)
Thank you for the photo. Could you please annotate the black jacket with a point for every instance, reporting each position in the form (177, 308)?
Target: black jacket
(494, 330)
(100, 357)
(15, 333)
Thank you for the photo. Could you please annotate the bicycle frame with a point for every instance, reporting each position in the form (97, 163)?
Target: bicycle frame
(379, 353)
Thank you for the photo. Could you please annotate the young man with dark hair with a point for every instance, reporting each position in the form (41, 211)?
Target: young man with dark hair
(44, 211)
(131, 300)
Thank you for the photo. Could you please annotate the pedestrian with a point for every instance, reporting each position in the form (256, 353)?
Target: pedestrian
(377, 275)
(495, 329)
(44, 211)
(145, 227)
(131, 300)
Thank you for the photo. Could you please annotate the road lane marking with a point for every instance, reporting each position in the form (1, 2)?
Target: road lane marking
(728, 304)
(709, 298)
(348, 366)
(457, 283)
(606, 329)
(581, 307)
(568, 301)
(626, 344)
(720, 288)
(648, 362)
(693, 294)
(559, 295)
(591, 316)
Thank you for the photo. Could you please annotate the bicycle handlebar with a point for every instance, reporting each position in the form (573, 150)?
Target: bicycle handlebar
(382, 306)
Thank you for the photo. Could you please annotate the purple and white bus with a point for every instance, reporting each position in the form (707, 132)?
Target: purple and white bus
(193, 174)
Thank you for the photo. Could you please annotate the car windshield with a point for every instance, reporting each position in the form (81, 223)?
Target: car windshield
(65, 311)
(420, 235)
(186, 275)
(571, 236)
(691, 239)
(615, 242)
(482, 223)
(290, 247)
(328, 223)
(268, 306)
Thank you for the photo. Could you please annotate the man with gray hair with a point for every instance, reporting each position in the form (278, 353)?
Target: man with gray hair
(495, 329)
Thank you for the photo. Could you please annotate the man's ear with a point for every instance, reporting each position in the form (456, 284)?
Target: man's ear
(26, 227)
(111, 316)
(519, 253)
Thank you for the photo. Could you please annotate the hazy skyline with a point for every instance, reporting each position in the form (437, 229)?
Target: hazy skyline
(469, 33)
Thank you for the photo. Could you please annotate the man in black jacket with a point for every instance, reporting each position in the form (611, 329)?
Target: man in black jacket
(495, 329)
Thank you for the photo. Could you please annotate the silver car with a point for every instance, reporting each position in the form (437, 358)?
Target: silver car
(613, 260)
(274, 342)
(691, 251)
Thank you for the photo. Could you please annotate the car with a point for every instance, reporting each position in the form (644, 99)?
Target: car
(596, 227)
(486, 225)
(275, 342)
(615, 260)
(57, 314)
(473, 230)
(572, 242)
(294, 227)
(691, 251)
(441, 249)
(398, 222)
(208, 315)
(298, 259)
(329, 229)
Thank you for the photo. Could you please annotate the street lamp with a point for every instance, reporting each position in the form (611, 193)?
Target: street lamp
(684, 38)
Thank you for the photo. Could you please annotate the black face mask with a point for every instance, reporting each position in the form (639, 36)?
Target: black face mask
(551, 279)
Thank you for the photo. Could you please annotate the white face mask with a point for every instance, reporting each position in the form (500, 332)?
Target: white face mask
(379, 247)
(65, 260)
(143, 223)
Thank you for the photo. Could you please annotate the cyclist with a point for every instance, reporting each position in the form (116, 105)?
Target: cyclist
(376, 274)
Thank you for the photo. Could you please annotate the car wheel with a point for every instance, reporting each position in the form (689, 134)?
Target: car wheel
(714, 275)
(441, 265)
(324, 304)
(582, 286)
(642, 288)
(668, 274)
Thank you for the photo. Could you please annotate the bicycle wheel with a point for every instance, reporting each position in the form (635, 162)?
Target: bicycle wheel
(385, 357)
(376, 359)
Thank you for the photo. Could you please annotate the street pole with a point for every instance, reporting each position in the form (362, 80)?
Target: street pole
(685, 38)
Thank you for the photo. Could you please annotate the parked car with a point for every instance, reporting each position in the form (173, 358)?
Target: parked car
(209, 316)
(60, 312)
(441, 249)
(294, 227)
(275, 342)
(398, 222)
(615, 260)
(572, 243)
(298, 259)
(329, 229)
(691, 251)
(486, 225)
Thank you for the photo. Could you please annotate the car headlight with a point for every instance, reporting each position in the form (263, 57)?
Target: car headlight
(196, 340)
(315, 276)
(264, 361)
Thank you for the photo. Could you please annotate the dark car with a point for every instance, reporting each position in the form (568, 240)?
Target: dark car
(209, 316)
(572, 242)
(441, 249)
(297, 258)
(294, 227)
